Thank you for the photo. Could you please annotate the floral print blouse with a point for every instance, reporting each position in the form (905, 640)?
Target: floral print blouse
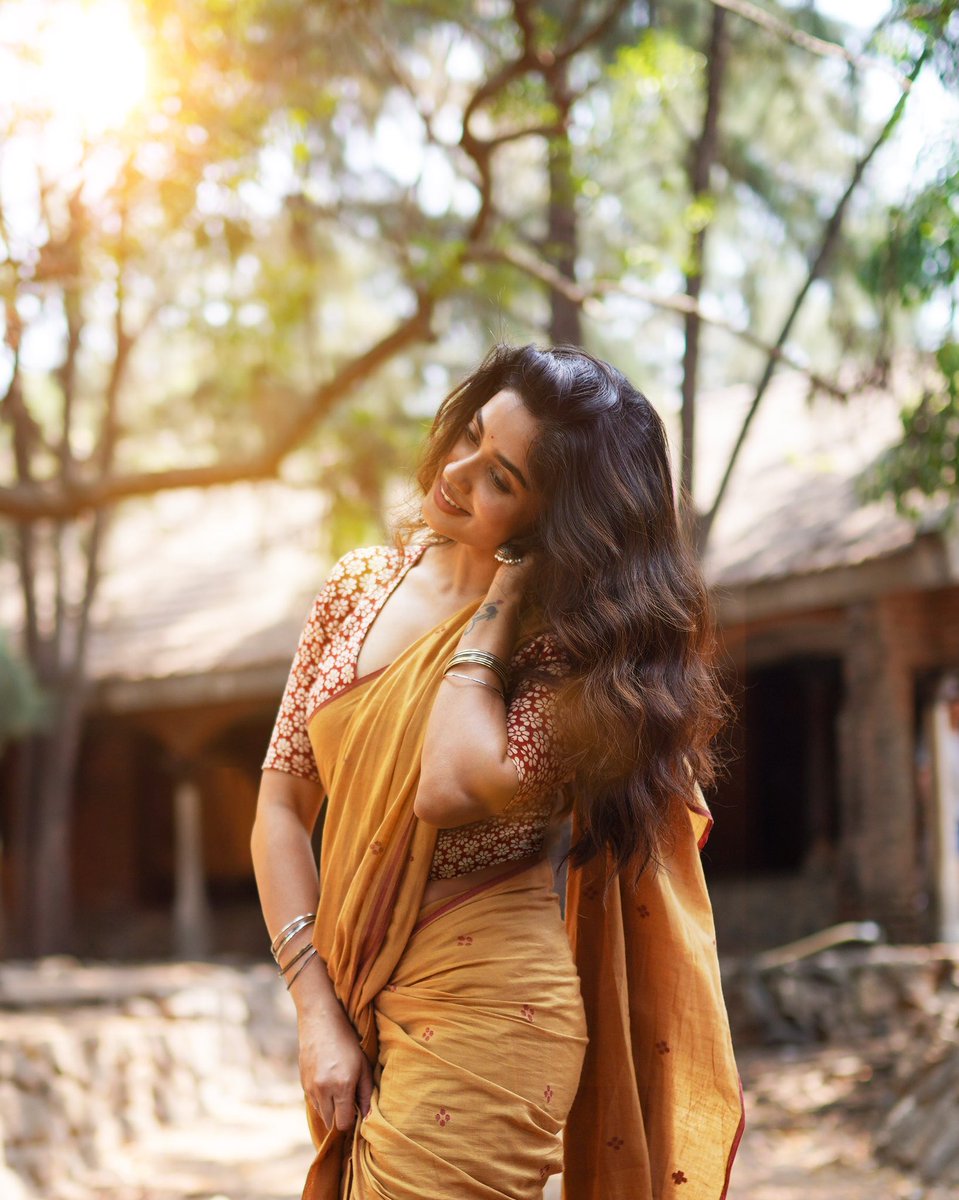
(325, 663)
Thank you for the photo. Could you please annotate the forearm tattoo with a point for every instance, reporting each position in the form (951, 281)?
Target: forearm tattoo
(486, 613)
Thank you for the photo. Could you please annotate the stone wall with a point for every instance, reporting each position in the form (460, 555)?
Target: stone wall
(754, 913)
(94, 1057)
(845, 994)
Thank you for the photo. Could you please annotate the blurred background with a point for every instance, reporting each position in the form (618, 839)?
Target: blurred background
(245, 249)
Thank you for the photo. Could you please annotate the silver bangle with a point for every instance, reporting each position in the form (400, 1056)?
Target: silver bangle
(481, 682)
(309, 959)
(289, 931)
(482, 658)
(295, 959)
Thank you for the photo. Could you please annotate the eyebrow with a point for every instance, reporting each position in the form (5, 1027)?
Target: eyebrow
(502, 457)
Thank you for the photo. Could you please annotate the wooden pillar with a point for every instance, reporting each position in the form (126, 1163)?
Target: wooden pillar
(878, 867)
(191, 912)
(943, 726)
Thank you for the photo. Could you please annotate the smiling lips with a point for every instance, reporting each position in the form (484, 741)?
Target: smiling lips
(447, 500)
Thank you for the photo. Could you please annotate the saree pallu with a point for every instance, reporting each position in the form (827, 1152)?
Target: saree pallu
(658, 1110)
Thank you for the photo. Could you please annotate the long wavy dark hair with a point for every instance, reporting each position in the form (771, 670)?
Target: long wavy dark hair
(620, 589)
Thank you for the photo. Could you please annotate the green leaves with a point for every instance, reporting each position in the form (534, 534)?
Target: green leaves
(920, 256)
(925, 462)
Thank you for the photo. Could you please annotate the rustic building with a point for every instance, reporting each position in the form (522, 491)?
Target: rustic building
(841, 627)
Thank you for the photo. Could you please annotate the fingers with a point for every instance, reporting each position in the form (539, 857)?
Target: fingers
(344, 1113)
(324, 1106)
(364, 1088)
(334, 1109)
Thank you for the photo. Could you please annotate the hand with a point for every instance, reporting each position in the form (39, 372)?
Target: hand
(334, 1071)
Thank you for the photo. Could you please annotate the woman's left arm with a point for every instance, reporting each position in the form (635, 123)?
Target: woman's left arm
(466, 774)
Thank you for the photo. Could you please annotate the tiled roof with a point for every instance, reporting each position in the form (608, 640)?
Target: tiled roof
(201, 580)
(792, 506)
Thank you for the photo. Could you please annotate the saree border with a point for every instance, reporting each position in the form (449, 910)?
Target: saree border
(740, 1130)
(348, 687)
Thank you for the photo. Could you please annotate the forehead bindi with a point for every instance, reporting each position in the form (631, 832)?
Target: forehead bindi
(507, 420)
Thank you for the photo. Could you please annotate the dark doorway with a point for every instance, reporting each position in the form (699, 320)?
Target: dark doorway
(779, 802)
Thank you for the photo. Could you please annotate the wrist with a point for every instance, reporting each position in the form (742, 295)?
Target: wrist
(319, 1013)
(505, 588)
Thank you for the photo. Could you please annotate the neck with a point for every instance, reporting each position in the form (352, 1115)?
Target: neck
(463, 571)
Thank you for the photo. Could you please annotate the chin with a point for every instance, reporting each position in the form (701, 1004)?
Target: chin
(430, 526)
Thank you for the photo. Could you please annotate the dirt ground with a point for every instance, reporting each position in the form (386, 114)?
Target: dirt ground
(809, 1111)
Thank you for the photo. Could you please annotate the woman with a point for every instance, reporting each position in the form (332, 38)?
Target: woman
(544, 648)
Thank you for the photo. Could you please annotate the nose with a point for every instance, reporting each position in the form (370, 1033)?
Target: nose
(458, 473)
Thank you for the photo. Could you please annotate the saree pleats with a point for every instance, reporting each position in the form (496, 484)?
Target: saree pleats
(481, 1039)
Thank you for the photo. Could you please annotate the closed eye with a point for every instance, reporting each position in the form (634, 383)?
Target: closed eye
(498, 480)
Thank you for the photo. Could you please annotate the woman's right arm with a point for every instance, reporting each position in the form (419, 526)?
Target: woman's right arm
(334, 1071)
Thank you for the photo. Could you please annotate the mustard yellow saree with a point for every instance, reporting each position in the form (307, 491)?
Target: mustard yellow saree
(476, 1011)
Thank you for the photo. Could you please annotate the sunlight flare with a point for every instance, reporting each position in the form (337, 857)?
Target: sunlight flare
(92, 67)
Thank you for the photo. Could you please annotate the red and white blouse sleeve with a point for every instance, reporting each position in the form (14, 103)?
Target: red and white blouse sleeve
(532, 744)
(289, 749)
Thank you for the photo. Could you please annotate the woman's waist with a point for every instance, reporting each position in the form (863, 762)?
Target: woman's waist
(459, 885)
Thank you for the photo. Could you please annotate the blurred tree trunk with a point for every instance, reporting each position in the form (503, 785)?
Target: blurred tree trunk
(565, 324)
(44, 802)
(701, 158)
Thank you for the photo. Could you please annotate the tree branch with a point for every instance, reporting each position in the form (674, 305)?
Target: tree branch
(806, 41)
(29, 501)
(827, 243)
(513, 135)
(593, 33)
(398, 73)
(589, 299)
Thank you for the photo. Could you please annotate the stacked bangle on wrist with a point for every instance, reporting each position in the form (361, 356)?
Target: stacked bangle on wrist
(296, 958)
(310, 952)
(288, 932)
(482, 658)
(305, 953)
(482, 682)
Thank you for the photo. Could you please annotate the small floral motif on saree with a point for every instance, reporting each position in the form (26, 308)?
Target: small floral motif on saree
(642, 910)
(615, 1143)
(464, 939)
(544, 1173)
(391, 987)
(376, 847)
(427, 1033)
(528, 1011)
(662, 1047)
(548, 1093)
(678, 1177)
(591, 892)
(443, 1118)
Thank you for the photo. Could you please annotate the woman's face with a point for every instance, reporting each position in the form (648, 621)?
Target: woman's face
(486, 477)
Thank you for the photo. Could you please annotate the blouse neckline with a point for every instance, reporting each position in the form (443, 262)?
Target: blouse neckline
(411, 556)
